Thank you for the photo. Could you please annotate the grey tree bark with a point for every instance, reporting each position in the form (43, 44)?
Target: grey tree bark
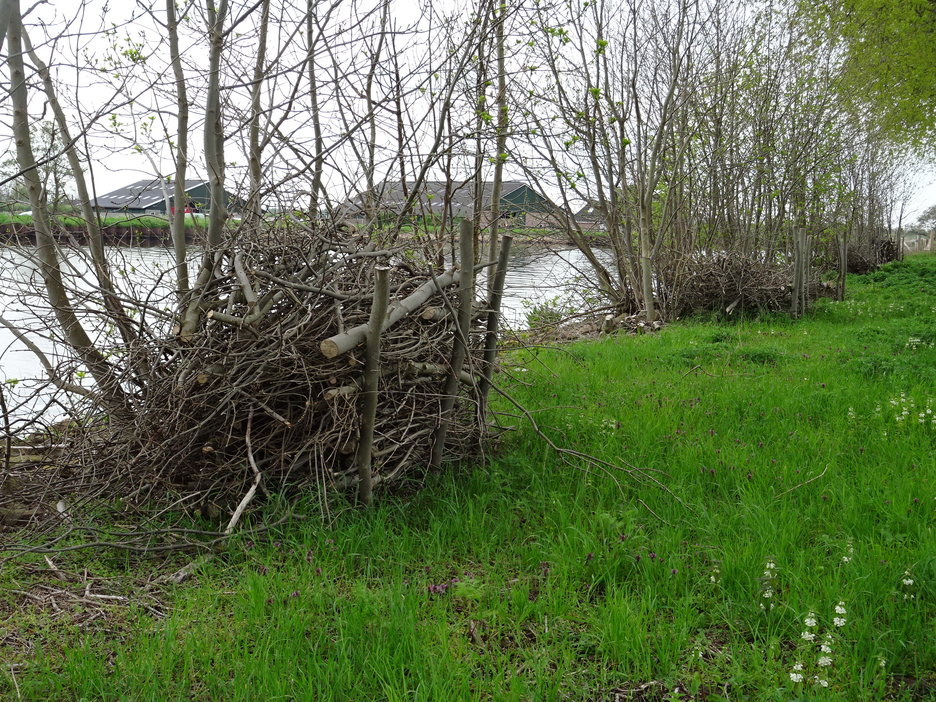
(112, 395)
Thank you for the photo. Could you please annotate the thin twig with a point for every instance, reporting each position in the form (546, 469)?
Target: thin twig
(19, 696)
(805, 482)
(253, 488)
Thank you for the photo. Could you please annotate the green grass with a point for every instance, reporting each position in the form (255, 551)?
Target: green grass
(529, 579)
(122, 220)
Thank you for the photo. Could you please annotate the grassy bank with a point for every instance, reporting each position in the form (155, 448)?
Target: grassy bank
(792, 556)
(121, 220)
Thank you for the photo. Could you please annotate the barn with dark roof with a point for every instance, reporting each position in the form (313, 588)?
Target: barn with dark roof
(455, 200)
(149, 197)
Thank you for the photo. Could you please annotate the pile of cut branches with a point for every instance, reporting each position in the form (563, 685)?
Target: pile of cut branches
(871, 256)
(729, 284)
(267, 392)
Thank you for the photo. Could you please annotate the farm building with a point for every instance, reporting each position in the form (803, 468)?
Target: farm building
(590, 217)
(519, 202)
(149, 197)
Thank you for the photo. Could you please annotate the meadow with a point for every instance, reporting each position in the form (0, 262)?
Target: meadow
(769, 535)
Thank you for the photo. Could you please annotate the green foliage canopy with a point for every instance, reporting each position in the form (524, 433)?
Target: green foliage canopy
(890, 62)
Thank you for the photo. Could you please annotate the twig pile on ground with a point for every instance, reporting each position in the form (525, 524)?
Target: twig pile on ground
(870, 257)
(730, 284)
(255, 389)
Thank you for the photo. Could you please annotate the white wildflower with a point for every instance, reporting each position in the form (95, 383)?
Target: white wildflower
(825, 648)
(808, 636)
(824, 662)
(845, 559)
(839, 621)
(798, 666)
(882, 662)
(840, 608)
(796, 677)
(821, 682)
(768, 593)
(810, 619)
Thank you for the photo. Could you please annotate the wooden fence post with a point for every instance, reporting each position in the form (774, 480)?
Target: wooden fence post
(796, 296)
(843, 267)
(807, 256)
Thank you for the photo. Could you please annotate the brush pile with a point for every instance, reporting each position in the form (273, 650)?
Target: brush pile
(729, 284)
(270, 382)
(871, 256)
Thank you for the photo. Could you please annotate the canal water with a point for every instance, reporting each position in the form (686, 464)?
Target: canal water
(537, 279)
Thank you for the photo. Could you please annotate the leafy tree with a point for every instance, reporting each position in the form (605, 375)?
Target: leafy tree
(928, 218)
(890, 48)
(52, 167)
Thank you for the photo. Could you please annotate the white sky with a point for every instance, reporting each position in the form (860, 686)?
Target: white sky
(924, 195)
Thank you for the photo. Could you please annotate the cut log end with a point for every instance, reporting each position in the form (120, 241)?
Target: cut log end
(329, 348)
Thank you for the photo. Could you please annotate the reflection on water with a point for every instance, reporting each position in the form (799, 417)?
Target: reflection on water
(536, 276)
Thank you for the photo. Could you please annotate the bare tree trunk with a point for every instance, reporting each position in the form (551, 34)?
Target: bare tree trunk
(214, 125)
(370, 164)
(800, 271)
(112, 395)
(481, 119)
(214, 161)
(371, 378)
(493, 319)
(460, 341)
(254, 156)
(400, 127)
(842, 267)
(318, 157)
(179, 202)
(502, 123)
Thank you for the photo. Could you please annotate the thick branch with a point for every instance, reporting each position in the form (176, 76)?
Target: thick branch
(342, 343)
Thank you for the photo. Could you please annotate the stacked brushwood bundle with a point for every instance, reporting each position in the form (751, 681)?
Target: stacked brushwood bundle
(317, 361)
(871, 256)
(729, 284)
